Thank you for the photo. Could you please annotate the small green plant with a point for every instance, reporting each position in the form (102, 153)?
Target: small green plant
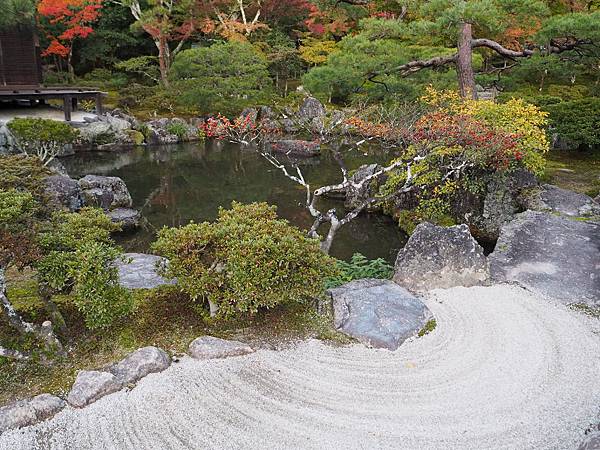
(360, 267)
(179, 129)
(428, 328)
(248, 259)
(43, 138)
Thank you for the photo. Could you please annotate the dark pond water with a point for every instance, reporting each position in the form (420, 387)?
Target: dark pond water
(172, 185)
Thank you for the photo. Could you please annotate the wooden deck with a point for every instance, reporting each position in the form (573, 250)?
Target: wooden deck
(69, 95)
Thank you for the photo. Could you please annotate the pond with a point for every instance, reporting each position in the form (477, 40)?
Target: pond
(172, 185)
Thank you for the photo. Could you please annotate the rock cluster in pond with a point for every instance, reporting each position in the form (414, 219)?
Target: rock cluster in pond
(440, 257)
(115, 130)
(91, 385)
(24, 413)
(554, 255)
(378, 313)
(209, 347)
(140, 271)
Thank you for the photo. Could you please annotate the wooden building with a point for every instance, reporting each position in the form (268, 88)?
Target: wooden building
(21, 74)
(20, 62)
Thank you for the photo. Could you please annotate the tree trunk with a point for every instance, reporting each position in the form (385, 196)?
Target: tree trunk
(56, 316)
(70, 65)
(464, 63)
(164, 59)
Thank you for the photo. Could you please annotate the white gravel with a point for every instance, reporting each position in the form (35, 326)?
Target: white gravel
(502, 370)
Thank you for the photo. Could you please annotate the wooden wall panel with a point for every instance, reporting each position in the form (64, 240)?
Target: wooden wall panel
(19, 58)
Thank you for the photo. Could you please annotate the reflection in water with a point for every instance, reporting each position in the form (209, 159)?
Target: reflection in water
(172, 185)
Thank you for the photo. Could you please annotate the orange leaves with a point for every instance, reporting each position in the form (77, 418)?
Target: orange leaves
(72, 17)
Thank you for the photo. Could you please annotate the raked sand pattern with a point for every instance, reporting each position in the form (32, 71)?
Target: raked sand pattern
(502, 370)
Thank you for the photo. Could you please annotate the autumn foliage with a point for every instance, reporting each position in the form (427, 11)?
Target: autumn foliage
(69, 20)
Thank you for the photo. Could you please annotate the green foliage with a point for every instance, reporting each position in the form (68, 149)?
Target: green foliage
(178, 129)
(147, 66)
(360, 267)
(43, 138)
(15, 206)
(79, 257)
(225, 77)
(577, 121)
(17, 12)
(97, 293)
(344, 76)
(24, 173)
(246, 260)
(428, 328)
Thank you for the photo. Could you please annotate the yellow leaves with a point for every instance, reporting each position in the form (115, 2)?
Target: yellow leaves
(315, 51)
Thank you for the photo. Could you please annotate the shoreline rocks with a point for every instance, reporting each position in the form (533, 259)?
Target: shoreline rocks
(296, 147)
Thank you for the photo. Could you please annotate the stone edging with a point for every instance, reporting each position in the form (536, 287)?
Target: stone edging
(92, 385)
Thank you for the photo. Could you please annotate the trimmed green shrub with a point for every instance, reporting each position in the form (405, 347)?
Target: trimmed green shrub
(79, 258)
(577, 121)
(246, 260)
(43, 138)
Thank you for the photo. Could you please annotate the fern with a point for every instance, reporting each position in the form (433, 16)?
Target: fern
(360, 267)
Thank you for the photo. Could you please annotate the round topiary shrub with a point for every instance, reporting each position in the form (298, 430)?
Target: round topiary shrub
(246, 260)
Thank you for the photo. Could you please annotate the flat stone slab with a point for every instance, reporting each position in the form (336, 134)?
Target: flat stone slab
(139, 271)
(440, 257)
(378, 313)
(556, 256)
(24, 413)
(140, 363)
(91, 385)
(209, 347)
(554, 199)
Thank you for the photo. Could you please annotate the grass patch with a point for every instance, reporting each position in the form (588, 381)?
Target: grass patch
(574, 170)
(586, 309)
(164, 318)
(428, 328)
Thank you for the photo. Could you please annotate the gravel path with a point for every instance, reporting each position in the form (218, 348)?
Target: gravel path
(502, 370)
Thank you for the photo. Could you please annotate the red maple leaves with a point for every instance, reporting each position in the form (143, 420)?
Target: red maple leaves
(70, 19)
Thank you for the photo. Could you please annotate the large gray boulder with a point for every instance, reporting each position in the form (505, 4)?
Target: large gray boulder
(91, 385)
(556, 256)
(24, 413)
(356, 195)
(440, 257)
(296, 148)
(554, 199)
(209, 347)
(63, 192)
(140, 271)
(378, 313)
(105, 192)
(140, 363)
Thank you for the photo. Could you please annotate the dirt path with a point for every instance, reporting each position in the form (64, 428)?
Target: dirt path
(502, 370)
